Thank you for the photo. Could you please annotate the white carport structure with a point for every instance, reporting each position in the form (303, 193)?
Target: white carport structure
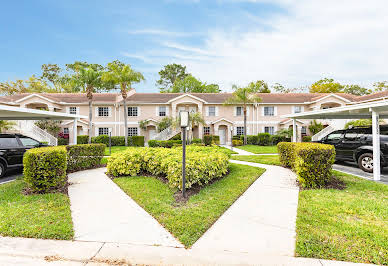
(374, 110)
(19, 113)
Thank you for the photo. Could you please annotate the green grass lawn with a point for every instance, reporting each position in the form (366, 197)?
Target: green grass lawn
(116, 149)
(264, 159)
(349, 225)
(35, 216)
(259, 149)
(187, 222)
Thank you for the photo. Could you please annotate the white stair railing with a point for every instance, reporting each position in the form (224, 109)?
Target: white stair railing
(28, 128)
(166, 133)
(324, 132)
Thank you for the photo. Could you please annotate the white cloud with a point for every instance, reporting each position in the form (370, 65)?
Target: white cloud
(346, 40)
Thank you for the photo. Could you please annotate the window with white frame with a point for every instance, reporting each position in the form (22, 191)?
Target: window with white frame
(239, 111)
(133, 111)
(132, 131)
(103, 111)
(206, 130)
(303, 130)
(66, 130)
(73, 110)
(270, 130)
(269, 111)
(162, 110)
(297, 109)
(239, 131)
(212, 111)
(103, 131)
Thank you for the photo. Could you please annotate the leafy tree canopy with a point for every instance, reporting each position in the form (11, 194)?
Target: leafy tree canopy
(381, 86)
(279, 88)
(169, 75)
(30, 85)
(193, 85)
(328, 85)
(259, 86)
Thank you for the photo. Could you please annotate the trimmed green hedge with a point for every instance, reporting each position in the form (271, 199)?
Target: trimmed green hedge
(45, 168)
(163, 143)
(202, 165)
(312, 162)
(62, 141)
(137, 141)
(211, 139)
(82, 139)
(306, 138)
(196, 141)
(237, 142)
(84, 156)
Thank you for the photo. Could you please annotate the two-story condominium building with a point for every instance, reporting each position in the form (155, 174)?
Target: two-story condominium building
(222, 120)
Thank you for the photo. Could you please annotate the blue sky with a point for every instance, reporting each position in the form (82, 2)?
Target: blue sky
(225, 41)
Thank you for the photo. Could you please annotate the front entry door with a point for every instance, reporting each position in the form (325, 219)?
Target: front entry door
(151, 133)
(221, 133)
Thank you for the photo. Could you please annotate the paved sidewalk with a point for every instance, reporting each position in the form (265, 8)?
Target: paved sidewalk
(239, 151)
(262, 220)
(31, 252)
(102, 212)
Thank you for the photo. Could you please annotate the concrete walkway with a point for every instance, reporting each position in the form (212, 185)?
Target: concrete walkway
(239, 151)
(102, 212)
(262, 220)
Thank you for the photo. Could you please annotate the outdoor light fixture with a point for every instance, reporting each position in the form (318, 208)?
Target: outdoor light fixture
(184, 118)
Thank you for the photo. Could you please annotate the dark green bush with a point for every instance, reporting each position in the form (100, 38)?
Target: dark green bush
(196, 141)
(236, 137)
(82, 139)
(164, 143)
(104, 139)
(251, 139)
(153, 143)
(177, 137)
(63, 141)
(275, 139)
(313, 164)
(216, 140)
(306, 138)
(207, 140)
(264, 139)
(84, 156)
(45, 168)
(117, 141)
(137, 141)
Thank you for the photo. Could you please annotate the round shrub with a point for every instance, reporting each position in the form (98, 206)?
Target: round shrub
(45, 168)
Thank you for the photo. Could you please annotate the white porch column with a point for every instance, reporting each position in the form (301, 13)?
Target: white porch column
(75, 131)
(376, 145)
(294, 136)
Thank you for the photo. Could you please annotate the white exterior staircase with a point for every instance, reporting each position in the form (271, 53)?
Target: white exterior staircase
(167, 133)
(29, 129)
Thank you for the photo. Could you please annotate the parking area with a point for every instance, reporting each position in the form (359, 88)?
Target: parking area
(352, 168)
(11, 175)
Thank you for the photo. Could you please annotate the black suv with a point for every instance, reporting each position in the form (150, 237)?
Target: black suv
(12, 149)
(355, 144)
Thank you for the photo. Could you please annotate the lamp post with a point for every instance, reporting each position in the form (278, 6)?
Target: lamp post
(184, 121)
(231, 137)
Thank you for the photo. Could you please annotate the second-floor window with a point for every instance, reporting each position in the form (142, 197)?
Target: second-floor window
(103, 111)
(269, 111)
(239, 111)
(303, 130)
(206, 130)
(239, 131)
(297, 109)
(73, 110)
(132, 131)
(162, 111)
(103, 131)
(212, 111)
(133, 111)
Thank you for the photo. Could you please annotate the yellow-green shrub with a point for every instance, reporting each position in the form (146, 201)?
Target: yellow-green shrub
(202, 164)
(287, 153)
(45, 168)
(313, 164)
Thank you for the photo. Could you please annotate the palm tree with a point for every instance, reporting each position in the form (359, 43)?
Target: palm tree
(6, 125)
(244, 96)
(195, 119)
(122, 75)
(90, 79)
